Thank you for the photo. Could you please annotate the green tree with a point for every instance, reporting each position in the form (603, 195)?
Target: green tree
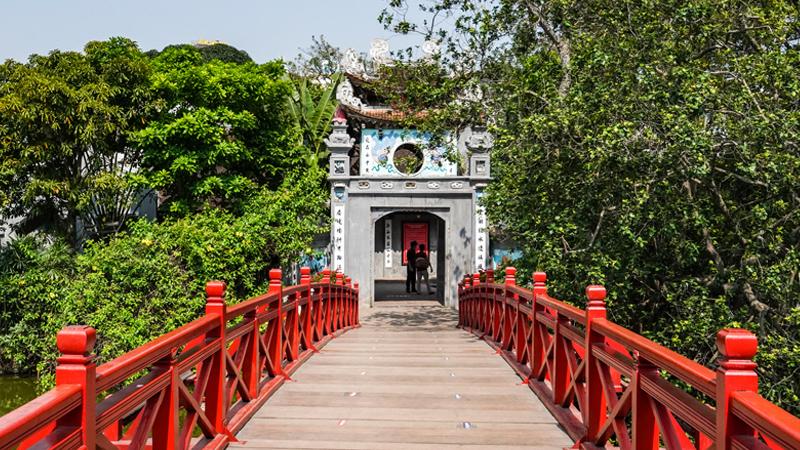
(65, 123)
(222, 130)
(652, 147)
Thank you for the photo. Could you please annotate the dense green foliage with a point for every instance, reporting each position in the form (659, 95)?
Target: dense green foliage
(65, 123)
(651, 147)
(150, 279)
(220, 132)
(82, 133)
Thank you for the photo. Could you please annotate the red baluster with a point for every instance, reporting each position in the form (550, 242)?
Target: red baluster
(595, 412)
(76, 366)
(489, 276)
(216, 407)
(736, 372)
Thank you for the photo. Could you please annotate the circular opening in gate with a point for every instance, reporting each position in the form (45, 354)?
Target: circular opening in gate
(408, 159)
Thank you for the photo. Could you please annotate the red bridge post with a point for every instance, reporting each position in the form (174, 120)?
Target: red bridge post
(356, 319)
(327, 298)
(275, 326)
(469, 310)
(595, 414)
(538, 346)
(348, 310)
(76, 366)
(505, 316)
(216, 408)
(736, 372)
(308, 310)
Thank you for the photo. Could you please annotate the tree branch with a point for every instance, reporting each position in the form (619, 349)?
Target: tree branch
(559, 41)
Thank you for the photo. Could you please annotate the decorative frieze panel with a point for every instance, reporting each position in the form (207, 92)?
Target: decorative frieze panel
(378, 147)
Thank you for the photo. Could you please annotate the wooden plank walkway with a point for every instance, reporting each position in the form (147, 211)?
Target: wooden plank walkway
(407, 379)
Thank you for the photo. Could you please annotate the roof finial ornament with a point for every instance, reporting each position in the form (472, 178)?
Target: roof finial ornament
(351, 62)
(346, 96)
(430, 49)
(379, 52)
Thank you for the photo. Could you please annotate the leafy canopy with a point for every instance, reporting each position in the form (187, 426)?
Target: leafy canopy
(650, 147)
(221, 131)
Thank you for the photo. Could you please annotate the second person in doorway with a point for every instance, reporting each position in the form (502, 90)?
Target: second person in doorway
(423, 266)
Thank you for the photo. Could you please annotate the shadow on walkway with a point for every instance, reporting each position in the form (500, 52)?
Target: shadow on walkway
(422, 315)
(393, 290)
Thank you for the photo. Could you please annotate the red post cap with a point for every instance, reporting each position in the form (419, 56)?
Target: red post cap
(595, 292)
(215, 288)
(511, 275)
(539, 277)
(77, 340)
(275, 275)
(737, 344)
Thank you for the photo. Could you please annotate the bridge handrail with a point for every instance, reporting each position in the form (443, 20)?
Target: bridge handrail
(695, 374)
(233, 370)
(593, 374)
(39, 412)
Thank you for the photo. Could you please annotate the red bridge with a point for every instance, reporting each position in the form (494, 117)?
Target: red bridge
(407, 378)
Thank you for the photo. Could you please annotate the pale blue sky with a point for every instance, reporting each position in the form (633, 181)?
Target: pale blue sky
(266, 29)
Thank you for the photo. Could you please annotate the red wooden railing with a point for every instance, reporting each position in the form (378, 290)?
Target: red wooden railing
(608, 386)
(195, 386)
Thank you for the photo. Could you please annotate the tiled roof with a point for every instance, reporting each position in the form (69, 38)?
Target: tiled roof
(379, 114)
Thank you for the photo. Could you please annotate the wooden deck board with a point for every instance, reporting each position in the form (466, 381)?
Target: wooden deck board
(408, 379)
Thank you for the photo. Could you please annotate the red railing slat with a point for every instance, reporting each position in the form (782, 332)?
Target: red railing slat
(225, 365)
(603, 381)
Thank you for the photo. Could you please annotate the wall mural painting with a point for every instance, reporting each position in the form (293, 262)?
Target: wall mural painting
(378, 147)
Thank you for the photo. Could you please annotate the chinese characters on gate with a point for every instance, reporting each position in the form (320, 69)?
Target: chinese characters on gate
(481, 239)
(338, 238)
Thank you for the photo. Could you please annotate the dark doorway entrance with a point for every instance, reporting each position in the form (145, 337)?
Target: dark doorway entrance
(393, 234)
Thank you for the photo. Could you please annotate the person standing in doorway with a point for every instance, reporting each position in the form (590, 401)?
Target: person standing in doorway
(423, 265)
(411, 272)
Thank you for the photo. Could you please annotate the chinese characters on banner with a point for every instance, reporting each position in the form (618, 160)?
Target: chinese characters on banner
(387, 243)
(481, 238)
(338, 238)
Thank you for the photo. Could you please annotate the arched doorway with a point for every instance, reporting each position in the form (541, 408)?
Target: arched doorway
(392, 234)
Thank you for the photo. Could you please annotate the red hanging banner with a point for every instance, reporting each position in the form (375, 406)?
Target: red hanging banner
(414, 231)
